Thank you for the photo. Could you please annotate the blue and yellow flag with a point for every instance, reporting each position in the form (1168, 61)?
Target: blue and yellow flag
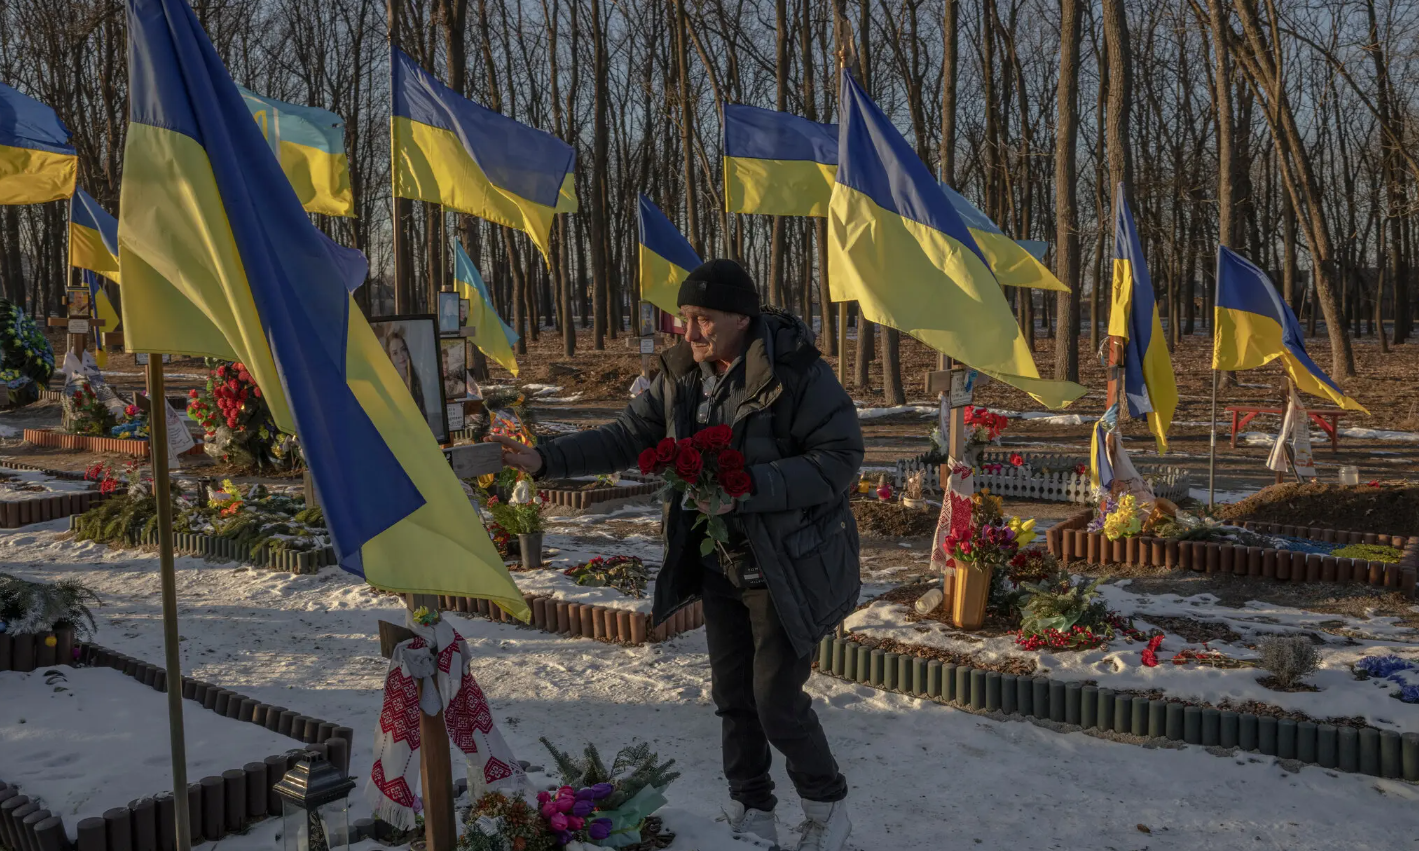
(1254, 326)
(310, 144)
(1011, 260)
(1148, 381)
(897, 247)
(220, 259)
(490, 333)
(776, 163)
(449, 150)
(102, 309)
(666, 258)
(93, 237)
(37, 163)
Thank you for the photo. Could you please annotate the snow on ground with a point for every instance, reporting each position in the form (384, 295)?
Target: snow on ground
(26, 483)
(896, 410)
(1118, 665)
(9, 431)
(1380, 434)
(1046, 418)
(310, 643)
(94, 739)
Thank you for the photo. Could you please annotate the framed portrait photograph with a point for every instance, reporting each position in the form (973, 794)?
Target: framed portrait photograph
(463, 312)
(78, 301)
(455, 367)
(470, 384)
(412, 344)
(647, 320)
(448, 313)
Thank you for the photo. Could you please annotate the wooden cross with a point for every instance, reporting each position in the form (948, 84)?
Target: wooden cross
(78, 339)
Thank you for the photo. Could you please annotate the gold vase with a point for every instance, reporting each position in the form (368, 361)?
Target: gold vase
(972, 591)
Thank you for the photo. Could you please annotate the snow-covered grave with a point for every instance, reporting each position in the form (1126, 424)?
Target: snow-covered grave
(24, 484)
(311, 641)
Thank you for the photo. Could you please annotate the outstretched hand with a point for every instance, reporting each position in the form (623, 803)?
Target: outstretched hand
(724, 507)
(517, 455)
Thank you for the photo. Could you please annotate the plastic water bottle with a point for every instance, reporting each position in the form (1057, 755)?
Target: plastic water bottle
(928, 602)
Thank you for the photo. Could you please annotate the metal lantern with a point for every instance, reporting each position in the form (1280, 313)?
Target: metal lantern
(315, 813)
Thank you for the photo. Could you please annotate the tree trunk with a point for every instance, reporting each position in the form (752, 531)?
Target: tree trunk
(949, 62)
(687, 131)
(1066, 249)
(599, 210)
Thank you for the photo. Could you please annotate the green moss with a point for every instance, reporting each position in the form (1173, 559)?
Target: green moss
(1369, 552)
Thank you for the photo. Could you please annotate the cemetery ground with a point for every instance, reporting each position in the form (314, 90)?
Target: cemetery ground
(922, 775)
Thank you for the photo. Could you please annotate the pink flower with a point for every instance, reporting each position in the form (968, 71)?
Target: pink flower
(575, 823)
(558, 821)
(564, 804)
(547, 809)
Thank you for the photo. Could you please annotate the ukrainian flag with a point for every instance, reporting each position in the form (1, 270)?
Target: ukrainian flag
(450, 151)
(102, 309)
(897, 247)
(1253, 327)
(666, 258)
(219, 259)
(1011, 260)
(93, 237)
(1148, 381)
(310, 144)
(37, 163)
(490, 333)
(776, 163)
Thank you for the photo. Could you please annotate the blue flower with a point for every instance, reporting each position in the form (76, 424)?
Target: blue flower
(1383, 666)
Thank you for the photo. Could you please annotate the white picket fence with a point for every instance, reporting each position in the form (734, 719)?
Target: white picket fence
(1171, 483)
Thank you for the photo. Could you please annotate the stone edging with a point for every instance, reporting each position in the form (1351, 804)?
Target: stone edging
(210, 546)
(1068, 540)
(1380, 753)
(573, 620)
(22, 512)
(585, 498)
(87, 443)
(218, 805)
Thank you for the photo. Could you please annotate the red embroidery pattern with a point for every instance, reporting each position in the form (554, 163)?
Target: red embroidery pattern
(495, 770)
(396, 790)
(400, 716)
(467, 715)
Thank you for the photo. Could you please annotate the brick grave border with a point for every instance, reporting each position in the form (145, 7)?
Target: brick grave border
(23, 511)
(582, 620)
(1068, 540)
(1081, 707)
(215, 548)
(218, 805)
(86, 443)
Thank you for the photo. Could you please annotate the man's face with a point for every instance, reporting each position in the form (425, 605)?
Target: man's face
(714, 335)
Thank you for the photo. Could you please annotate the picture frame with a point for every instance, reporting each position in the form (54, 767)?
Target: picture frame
(463, 307)
(647, 319)
(79, 301)
(453, 358)
(455, 416)
(471, 389)
(412, 344)
(448, 313)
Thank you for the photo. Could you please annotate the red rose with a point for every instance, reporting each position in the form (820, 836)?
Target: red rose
(647, 461)
(1016, 459)
(192, 393)
(238, 367)
(685, 443)
(221, 372)
(714, 437)
(688, 463)
(665, 451)
(736, 483)
(256, 391)
(730, 459)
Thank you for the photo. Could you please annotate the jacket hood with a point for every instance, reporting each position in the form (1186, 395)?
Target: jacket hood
(776, 339)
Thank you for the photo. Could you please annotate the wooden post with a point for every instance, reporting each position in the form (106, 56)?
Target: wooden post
(403, 289)
(162, 486)
(78, 342)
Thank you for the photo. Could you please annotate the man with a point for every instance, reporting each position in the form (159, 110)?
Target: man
(789, 572)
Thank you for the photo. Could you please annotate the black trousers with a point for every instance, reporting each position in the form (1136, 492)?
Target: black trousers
(757, 685)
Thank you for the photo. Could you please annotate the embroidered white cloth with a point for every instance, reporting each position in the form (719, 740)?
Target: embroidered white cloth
(1295, 430)
(439, 658)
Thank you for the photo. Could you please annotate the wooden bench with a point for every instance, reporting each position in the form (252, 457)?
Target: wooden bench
(1327, 418)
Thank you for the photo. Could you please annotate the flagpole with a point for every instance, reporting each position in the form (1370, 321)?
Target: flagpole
(1212, 449)
(162, 492)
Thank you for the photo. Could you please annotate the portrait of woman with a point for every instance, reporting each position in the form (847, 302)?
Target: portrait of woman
(411, 342)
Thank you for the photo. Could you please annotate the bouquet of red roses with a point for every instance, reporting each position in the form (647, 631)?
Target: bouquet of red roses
(706, 471)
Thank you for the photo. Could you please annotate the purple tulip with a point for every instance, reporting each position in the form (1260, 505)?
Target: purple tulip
(563, 837)
(582, 808)
(585, 794)
(601, 790)
(599, 830)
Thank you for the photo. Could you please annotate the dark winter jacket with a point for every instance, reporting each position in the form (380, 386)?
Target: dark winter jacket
(802, 446)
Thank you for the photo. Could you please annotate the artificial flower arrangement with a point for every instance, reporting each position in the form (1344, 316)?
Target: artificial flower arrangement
(237, 422)
(1117, 517)
(985, 426)
(33, 606)
(626, 574)
(594, 807)
(988, 545)
(84, 412)
(707, 473)
(521, 513)
(110, 479)
(1062, 613)
(1392, 669)
(26, 358)
(227, 499)
(134, 424)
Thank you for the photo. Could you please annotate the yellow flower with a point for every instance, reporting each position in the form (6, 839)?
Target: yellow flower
(50, 641)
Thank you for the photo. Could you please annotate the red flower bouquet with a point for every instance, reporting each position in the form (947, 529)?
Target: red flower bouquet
(706, 471)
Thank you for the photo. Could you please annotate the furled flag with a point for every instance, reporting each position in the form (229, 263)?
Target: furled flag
(93, 237)
(1148, 382)
(897, 247)
(103, 309)
(37, 163)
(449, 150)
(1254, 326)
(1011, 260)
(490, 333)
(776, 163)
(309, 142)
(666, 258)
(220, 259)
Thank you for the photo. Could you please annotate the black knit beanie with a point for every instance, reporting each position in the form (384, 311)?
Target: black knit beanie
(720, 285)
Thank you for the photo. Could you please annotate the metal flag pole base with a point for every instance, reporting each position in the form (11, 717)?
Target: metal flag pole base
(162, 493)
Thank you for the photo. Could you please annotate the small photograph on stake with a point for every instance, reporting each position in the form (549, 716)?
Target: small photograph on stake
(455, 367)
(463, 312)
(470, 384)
(78, 301)
(448, 313)
(412, 345)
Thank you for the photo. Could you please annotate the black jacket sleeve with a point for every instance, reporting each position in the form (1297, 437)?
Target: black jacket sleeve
(825, 426)
(614, 446)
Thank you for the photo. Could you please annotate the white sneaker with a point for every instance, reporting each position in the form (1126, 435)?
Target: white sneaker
(825, 826)
(756, 823)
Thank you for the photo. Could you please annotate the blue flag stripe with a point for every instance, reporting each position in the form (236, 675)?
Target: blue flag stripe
(765, 134)
(27, 123)
(659, 234)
